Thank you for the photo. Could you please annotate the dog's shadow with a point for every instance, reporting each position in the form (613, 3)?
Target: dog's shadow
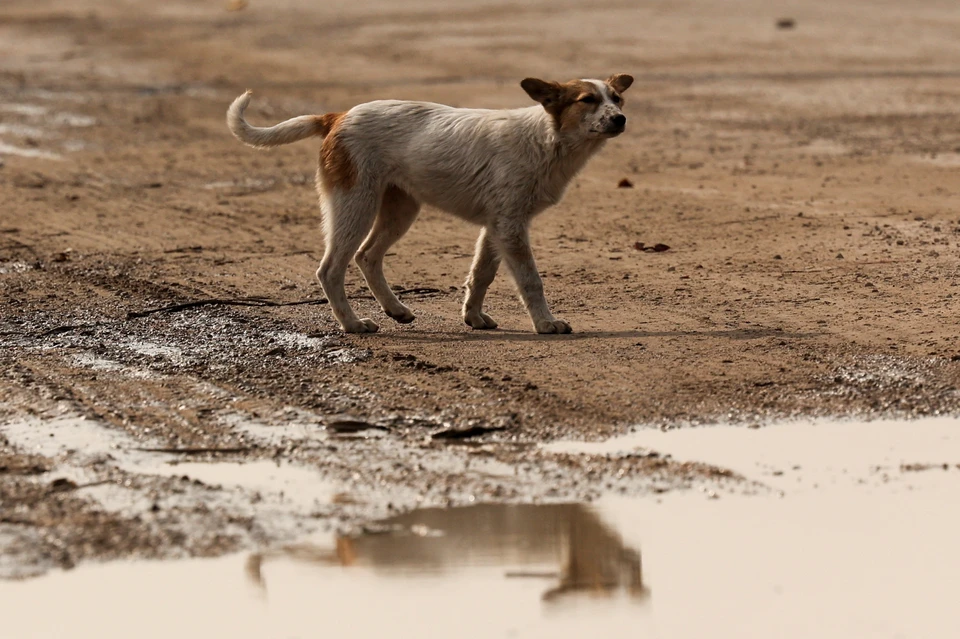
(515, 335)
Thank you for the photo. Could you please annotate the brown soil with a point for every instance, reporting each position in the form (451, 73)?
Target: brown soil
(804, 180)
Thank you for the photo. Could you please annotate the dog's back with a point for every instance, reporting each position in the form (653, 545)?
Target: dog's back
(464, 161)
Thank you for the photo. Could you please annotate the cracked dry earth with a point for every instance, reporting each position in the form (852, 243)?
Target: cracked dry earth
(159, 316)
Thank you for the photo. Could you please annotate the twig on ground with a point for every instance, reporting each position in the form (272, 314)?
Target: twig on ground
(196, 451)
(466, 433)
(66, 328)
(418, 291)
(759, 218)
(237, 301)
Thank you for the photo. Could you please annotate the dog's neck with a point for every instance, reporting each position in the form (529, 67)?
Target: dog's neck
(570, 153)
(565, 154)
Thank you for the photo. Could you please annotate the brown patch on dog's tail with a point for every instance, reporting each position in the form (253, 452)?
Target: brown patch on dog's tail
(292, 130)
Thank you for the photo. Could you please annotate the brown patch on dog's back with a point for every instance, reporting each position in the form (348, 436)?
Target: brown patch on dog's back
(336, 166)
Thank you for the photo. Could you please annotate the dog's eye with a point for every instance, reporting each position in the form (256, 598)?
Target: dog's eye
(616, 99)
(589, 99)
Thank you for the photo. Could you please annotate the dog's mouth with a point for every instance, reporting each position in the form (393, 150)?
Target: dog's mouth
(610, 132)
(613, 128)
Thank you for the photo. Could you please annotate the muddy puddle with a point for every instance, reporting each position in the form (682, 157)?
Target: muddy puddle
(852, 534)
(792, 456)
(476, 571)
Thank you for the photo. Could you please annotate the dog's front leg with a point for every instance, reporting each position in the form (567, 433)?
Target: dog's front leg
(486, 261)
(514, 246)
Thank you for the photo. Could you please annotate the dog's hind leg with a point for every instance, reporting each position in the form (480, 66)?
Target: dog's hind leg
(347, 218)
(486, 261)
(398, 210)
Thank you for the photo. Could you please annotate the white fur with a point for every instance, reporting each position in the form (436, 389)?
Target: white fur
(292, 130)
(495, 168)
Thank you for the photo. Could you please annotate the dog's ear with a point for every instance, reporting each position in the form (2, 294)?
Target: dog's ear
(620, 82)
(546, 93)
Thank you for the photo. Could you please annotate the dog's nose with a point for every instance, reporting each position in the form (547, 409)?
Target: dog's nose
(620, 121)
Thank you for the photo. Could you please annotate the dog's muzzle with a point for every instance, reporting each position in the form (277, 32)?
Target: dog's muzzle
(616, 125)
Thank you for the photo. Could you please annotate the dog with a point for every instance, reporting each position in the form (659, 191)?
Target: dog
(381, 160)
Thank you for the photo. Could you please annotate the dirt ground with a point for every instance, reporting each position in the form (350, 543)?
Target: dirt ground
(157, 278)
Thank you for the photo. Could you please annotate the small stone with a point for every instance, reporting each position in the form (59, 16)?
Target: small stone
(62, 483)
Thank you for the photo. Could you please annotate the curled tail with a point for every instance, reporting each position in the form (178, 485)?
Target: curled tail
(292, 130)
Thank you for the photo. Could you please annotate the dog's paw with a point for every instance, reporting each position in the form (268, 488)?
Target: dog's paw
(553, 326)
(362, 326)
(479, 321)
(404, 317)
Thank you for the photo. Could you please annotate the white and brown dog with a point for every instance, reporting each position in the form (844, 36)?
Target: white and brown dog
(381, 160)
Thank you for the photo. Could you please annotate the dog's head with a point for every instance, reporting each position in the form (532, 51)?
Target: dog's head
(588, 108)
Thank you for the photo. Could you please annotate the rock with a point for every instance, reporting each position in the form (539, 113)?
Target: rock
(61, 484)
(466, 433)
(656, 248)
(349, 425)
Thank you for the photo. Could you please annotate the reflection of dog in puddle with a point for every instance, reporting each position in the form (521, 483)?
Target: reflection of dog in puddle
(591, 558)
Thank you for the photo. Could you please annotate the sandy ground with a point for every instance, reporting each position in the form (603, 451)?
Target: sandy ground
(159, 303)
